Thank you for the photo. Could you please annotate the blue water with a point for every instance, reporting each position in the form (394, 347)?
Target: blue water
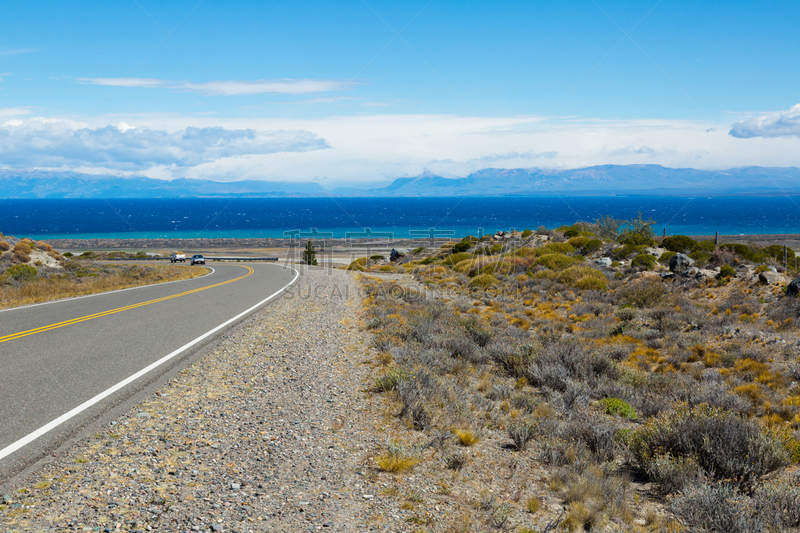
(400, 217)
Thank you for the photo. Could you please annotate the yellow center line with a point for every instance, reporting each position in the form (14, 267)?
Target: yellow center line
(33, 331)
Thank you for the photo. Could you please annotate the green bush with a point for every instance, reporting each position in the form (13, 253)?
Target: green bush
(636, 239)
(557, 247)
(67, 254)
(666, 256)
(727, 271)
(705, 246)
(483, 281)
(679, 243)
(776, 252)
(527, 233)
(572, 231)
(453, 259)
(579, 241)
(644, 260)
(555, 261)
(615, 406)
(359, 265)
(727, 446)
(496, 249)
(463, 246)
(591, 247)
(700, 257)
(21, 273)
(742, 251)
(627, 250)
(376, 258)
(584, 278)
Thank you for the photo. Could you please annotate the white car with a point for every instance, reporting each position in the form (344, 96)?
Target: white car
(198, 259)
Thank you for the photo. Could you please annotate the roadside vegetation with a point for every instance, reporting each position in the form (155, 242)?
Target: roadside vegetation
(569, 380)
(33, 272)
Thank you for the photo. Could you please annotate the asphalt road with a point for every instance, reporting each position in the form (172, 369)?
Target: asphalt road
(57, 356)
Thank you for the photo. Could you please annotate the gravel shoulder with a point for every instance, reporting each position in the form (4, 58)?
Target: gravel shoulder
(271, 430)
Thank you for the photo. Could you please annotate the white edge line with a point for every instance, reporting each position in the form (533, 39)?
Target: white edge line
(106, 292)
(8, 450)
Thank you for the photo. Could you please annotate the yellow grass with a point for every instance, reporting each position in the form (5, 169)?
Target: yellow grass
(392, 462)
(466, 437)
(46, 290)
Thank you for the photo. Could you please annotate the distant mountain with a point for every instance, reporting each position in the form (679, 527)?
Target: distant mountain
(601, 180)
(73, 185)
(597, 180)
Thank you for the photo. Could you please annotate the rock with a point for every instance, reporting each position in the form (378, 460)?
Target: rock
(235, 487)
(603, 262)
(706, 273)
(773, 269)
(217, 527)
(770, 278)
(395, 255)
(6, 498)
(793, 288)
(680, 263)
(694, 271)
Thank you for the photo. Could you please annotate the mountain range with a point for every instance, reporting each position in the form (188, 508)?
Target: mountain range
(601, 180)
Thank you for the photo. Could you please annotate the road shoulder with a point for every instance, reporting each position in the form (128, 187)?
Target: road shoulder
(271, 430)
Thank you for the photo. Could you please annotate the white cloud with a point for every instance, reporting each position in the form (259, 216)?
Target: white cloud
(56, 144)
(372, 149)
(14, 112)
(230, 87)
(781, 124)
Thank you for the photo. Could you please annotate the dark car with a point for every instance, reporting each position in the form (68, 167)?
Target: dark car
(198, 259)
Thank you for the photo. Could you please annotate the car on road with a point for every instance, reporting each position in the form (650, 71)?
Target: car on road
(198, 259)
(177, 256)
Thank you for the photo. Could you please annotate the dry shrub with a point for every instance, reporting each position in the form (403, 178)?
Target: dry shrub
(646, 294)
(4, 246)
(727, 446)
(722, 507)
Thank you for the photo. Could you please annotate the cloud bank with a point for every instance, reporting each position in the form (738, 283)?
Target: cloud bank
(230, 87)
(125, 148)
(369, 150)
(782, 124)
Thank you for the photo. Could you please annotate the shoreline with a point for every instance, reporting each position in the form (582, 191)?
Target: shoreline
(790, 239)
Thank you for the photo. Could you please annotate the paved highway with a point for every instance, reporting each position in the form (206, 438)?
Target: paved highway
(63, 363)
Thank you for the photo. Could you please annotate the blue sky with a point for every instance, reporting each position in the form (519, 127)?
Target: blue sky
(355, 91)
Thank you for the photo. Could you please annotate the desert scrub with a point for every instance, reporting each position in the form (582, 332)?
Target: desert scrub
(726, 445)
(21, 273)
(78, 279)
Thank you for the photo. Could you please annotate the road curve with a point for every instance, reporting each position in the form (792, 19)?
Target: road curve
(56, 359)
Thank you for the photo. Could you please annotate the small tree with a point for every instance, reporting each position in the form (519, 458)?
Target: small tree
(309, 255)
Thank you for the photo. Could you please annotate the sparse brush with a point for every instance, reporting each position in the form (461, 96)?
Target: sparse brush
(521, 433)
(455, 461)
(533, 505)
